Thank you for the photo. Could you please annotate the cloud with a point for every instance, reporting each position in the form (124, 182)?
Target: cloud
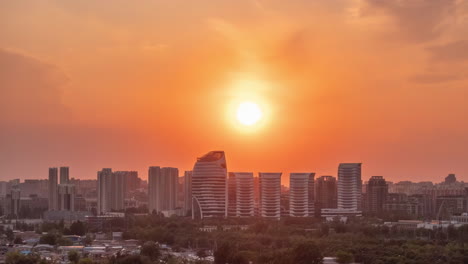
(455, 51)
(417, 20)
(30, 89)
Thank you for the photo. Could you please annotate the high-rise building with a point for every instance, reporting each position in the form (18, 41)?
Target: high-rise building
(270, 194)
(209, 186)
(325, 195)
(15, 200)
(66, 197)
(301, 195)
(53, 192)
(349, 186)
(118, 190)
(241, 194)
(132, 182)
(162, 188)
(64, 175)
(187, 191)
(376, 194)
(103, 190)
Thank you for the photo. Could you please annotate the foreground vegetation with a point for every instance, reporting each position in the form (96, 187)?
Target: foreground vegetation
(240, 241)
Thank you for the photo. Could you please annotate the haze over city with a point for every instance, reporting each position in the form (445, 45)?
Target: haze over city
(89, 84)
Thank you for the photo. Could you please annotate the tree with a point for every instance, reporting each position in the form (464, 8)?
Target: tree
(201, 253)
(222, 254)
(78, 228)
(151, 250)
(18, 240)
(343, 257)
(17, 258)
(307, 253)
(74, 256)
(50, 239)
(85, 261)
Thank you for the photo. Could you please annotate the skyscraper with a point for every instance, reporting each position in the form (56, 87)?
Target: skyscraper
(162, 188)
(301, 194)
(103, 190)
(349, 186)
(53, 192)
(209, 186)
(241, 194)
(376, 194)
(270, 194)
(187, 191)
(326, 192)
(64, 175)
(118, 185)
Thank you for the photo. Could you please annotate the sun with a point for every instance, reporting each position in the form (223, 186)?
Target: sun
(249, 113)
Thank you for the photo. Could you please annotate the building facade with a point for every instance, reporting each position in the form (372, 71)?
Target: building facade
(162, 188)
(301, 195)
(209, 186)
(349, 186)
(241, 194)
(376, 194)
(325, 195)
(270, 195)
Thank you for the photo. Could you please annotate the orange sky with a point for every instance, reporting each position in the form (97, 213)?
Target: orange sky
(131, 84)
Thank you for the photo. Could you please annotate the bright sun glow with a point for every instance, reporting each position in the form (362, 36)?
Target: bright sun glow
(249, 113)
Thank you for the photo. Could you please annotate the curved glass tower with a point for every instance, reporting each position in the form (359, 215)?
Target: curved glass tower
(209, 186)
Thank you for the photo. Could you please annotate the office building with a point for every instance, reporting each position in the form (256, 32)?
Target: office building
(209, 186)
(301, 195)
(349, 186)
(376, 194)
(162, 188)
(53, 191)
(241, 194)
(270, 195)
(326, 196)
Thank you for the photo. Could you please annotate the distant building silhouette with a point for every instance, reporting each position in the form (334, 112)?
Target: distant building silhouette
(301, 194)
(53, 192)
(187, 191)
(270, 194)
(66, 197)
(376, 194)
(241, 194)
(110, 190)
(209, 186)
(326, 192)
(349, 186)
(64, 175)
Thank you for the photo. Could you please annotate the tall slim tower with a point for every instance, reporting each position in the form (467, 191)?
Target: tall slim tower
(349, 186)
(301, 195)
(187, 191)
(64, 175)
(209, 186)
(104, 190)
(270, 194)
(66, 194)
(241, 194)
(53, 192)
